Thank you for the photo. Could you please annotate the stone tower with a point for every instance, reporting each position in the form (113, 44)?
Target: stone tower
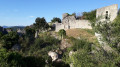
(109, 12)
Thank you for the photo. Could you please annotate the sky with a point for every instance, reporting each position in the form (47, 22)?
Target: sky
(24, 12)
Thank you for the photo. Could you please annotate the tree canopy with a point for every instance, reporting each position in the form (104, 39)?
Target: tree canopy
(90, 15)
(55, 19)
(10, 39)
(41, 24)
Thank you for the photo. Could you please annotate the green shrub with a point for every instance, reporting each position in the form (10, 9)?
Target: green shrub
(62, 33)
(14, 59)
(10, 39)
(80, 44)
(43, 45)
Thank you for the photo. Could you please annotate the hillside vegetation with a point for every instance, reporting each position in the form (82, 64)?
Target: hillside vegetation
(40, 46)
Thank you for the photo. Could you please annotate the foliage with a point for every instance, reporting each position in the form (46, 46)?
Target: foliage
(1, 34)
(73, 14)
(3, 57)
(62, 33)
(55, 19)
(14, 28)
(80, 44)
(119, 12)
(14, 59)
(29, 32)
(90, 15)
(82, 56)
(10, 39)
(81, 59)
(43, 45)
(41, 24)
(109, 31)
(28, 38)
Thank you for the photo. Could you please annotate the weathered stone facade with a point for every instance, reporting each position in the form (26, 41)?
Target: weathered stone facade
(70, 22)
(109, 12)
(106, 13)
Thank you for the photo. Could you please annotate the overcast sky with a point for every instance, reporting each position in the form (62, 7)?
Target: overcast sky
(24, 12)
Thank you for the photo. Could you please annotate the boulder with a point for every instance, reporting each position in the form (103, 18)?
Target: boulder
(53, 55)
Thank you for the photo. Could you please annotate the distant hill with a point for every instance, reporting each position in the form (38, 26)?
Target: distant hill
(17, 27)
(5, 26)
(14, 27)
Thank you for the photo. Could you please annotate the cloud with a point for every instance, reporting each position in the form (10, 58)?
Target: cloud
(31, 16)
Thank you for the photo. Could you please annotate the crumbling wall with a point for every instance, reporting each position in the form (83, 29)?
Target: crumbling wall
(84, 24)
(70, 22)
(59, 26)
(111, 10)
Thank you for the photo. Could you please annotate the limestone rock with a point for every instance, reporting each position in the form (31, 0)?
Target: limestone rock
(53, 55)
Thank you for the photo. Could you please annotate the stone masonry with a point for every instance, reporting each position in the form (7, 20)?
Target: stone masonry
(109, 12)
(70, 22)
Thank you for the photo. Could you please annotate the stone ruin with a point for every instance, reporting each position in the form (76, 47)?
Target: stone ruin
(109, 12)
(70, 21)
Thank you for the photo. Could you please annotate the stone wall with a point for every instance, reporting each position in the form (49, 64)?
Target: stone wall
(70, 21)
(111, 10)
(84, 24)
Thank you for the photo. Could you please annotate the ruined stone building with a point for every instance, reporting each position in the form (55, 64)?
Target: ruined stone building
(109, 12)
(70, 22)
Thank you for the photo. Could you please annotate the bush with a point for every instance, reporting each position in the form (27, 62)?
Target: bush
(41, 24)
(90, 15)
(10, 39)
(14, 59)
(62, 33)
(43, 45)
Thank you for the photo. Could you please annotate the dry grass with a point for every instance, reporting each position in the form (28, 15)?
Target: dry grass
(82, 33)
